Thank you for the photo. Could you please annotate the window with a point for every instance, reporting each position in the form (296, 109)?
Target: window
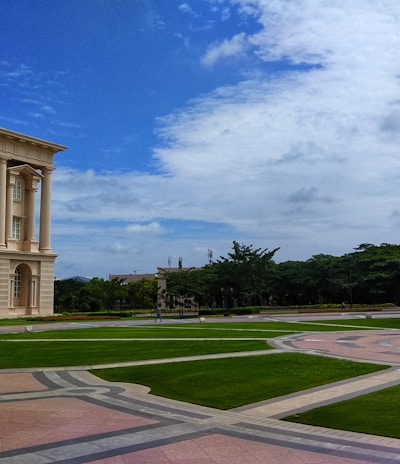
(17, 283)
(16, 228)
(17, 190)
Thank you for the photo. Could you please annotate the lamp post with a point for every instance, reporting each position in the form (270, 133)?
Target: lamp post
(350, 282)
(225, 293)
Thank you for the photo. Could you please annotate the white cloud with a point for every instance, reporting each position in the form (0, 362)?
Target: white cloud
(186, 8)
(154, 228)
(306, 159)
(228, 48)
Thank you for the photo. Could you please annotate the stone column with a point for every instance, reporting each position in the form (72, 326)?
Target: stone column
(9, 209)
(30, 211)
(45, 212)
(3, 201)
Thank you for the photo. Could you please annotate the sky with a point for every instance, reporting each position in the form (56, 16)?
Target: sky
(274, 123)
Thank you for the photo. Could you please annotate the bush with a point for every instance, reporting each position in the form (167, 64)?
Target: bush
(104, 314)
(69, 318)
(230, 311)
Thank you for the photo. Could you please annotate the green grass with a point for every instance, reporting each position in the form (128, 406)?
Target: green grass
(16, 322)
(82, 353)
(214, 330)
(233, 382)
(375, 413)
(279, 326)
(163, 331)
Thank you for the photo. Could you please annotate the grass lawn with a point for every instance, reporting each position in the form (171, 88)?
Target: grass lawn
(159, 332)
(193, 330)
(376, 413)
(233, 382)
(16, 354)
(280, 326)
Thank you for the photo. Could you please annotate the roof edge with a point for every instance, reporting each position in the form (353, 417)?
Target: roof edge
(35, 141)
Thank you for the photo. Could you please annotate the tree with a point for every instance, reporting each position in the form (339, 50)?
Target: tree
(291, 283)
(143, 293)
(69, 295)
(105, 293)
(246, 274)
(328, 279)
(375, 273)
(371, 274)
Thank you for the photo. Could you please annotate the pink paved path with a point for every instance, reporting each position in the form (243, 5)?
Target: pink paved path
(382, 346)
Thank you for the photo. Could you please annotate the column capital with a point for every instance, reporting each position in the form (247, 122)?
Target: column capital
(47, 170)
(32, 184)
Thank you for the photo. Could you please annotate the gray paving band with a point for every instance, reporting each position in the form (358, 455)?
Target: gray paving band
(136, 406)
(304, 436)
(42, 378)
(352, 452)
(109, 445)
(76, 441)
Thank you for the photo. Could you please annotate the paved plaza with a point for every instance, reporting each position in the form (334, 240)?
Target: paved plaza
(69, 416)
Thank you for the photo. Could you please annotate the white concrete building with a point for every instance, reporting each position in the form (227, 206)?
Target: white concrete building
(26, 257)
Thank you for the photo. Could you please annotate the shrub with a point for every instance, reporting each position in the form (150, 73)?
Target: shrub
(69, 318)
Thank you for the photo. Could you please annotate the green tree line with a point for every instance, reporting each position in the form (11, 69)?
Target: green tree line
(100, 295)
(249, 276)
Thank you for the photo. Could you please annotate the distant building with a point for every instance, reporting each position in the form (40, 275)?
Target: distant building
(162, 271)
(162, 286)
(130, 278)
(160, 276)
(26, 258)
(79, 279)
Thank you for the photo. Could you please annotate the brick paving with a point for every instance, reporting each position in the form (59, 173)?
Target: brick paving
(69, 416)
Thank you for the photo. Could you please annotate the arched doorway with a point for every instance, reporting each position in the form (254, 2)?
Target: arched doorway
(21, 291)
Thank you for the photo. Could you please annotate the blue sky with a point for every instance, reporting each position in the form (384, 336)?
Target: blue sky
(193, 124)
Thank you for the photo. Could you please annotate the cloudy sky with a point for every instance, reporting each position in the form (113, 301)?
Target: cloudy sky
(192, 124)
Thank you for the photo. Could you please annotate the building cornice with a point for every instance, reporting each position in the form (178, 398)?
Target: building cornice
(54, 147)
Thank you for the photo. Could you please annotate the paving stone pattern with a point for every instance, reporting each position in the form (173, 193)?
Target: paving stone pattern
(69, 416)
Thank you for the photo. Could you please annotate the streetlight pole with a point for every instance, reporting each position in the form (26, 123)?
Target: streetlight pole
(350, 282)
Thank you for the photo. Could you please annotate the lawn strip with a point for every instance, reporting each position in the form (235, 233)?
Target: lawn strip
(375, 413)
(292, 326)
(234, 382)
(145, 332)
(227, 330)
(83, 353)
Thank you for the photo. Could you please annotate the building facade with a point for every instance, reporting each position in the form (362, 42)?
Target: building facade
(26, 257)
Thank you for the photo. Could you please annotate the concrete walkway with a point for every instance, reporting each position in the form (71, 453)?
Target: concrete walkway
(67, 415)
